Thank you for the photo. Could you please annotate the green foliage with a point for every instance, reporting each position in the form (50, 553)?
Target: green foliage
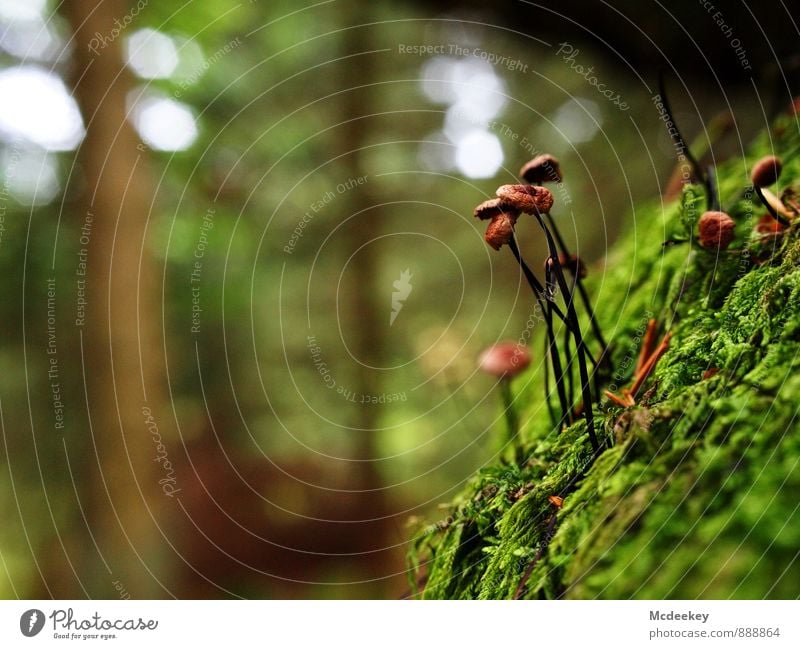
(696, 498)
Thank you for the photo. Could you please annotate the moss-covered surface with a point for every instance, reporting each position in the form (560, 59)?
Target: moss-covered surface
(699, 494)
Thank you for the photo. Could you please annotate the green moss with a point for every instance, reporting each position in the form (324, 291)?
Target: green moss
(697, 497)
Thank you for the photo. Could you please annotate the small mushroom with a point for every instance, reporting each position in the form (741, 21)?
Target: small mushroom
(716, 230)
(775, 206)
(489, 209)
(500, 230)
(543, 168)
(574, 265)
(504, 360)
(767, 225)
(766, 171)
(530, 199)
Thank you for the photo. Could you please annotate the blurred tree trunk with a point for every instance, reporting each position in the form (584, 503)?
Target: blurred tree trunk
(122, 347)
(368, 306)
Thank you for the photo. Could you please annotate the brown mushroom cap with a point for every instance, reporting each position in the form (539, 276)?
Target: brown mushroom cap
(530, 199)
(504, 359)
(489, 209)
(542, 169)
(500, 230)
(766, 171)
(574, 265)
(767, 225)
(716, 230)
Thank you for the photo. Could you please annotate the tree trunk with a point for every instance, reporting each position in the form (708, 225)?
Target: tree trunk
(122, 349)
(367, 312)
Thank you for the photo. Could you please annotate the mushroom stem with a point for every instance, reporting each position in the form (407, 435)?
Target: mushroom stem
(581, 289)
(553, 418)
(570, 375)
(536, 286)
(512, 420)
(713, 189)
(548, 308)
(572, 316)
(774, 206)
(678, 140)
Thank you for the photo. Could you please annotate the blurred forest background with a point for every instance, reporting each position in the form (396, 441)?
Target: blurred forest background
(206, 211)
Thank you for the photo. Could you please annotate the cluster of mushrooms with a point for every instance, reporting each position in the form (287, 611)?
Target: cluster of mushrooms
(503, 213)
(716, 228)
(716, 231)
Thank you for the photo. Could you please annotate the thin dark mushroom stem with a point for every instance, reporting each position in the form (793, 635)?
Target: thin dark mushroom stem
(678, 140)
(570, 374)
(534, 283)
(567, 348)
(569, 301)
(772, 211)
(595, 362)
(581, 288)
(547, 310)
(549, 284)
(714, 189)
(556, 421)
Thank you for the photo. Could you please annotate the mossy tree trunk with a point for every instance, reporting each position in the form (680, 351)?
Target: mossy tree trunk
(697, 497)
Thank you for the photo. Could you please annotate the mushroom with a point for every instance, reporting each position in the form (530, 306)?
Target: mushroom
(530, 199)
(504, 361)
(574, 265)
(500, 230)
(489, 209)
(543, 168)
(766, 171)
(716, 230)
